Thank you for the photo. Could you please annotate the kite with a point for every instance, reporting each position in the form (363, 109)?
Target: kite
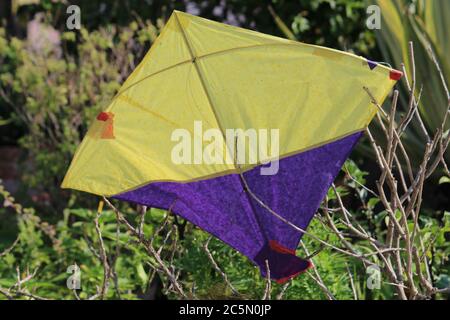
(200, 76)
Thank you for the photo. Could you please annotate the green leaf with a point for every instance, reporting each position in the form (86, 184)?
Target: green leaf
(143, 277)
(4, 122)
(444, 179)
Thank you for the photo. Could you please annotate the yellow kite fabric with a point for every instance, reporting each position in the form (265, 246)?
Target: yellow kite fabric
(225, 77)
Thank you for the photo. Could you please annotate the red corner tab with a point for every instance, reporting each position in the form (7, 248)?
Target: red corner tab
(286, 279)
(395, 75)
(276, 246)
(103, 116)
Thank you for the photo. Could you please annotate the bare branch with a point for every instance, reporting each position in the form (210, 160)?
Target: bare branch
(268, 290)
(216, 266)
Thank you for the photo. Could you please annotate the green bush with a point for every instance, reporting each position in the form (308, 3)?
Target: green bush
(53, 98)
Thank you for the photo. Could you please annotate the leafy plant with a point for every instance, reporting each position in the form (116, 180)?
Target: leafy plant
(337, 24)
(53, 98)
(426, 25)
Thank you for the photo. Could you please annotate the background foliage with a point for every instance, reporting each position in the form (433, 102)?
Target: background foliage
(51, 90)
(425, 23)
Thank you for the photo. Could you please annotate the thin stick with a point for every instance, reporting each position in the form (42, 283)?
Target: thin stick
(104, 259)
(268, 290)
(317, 278)
(150, 249)
(216, 266)
(352, 284)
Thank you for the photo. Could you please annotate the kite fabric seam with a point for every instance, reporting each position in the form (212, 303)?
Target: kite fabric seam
(207, 55)
(226, 172)
(239, 170)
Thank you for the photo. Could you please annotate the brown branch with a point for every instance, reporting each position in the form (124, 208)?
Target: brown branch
(268, 290)
(317, 278)
(104, 259)
(216, 266)
(10, 248)
(150, 249)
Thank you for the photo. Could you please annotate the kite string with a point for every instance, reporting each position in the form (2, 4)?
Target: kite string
(384, 64)
(265, 206)
(261, 203)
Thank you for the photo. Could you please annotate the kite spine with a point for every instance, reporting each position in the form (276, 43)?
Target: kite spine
(202, 80)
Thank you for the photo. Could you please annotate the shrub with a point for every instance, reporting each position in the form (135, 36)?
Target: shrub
(54, 97)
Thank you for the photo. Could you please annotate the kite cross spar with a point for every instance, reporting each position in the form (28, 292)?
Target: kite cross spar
(228, 78)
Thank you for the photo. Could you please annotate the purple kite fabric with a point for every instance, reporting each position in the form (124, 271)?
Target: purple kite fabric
(222, 207)
(372, 64)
